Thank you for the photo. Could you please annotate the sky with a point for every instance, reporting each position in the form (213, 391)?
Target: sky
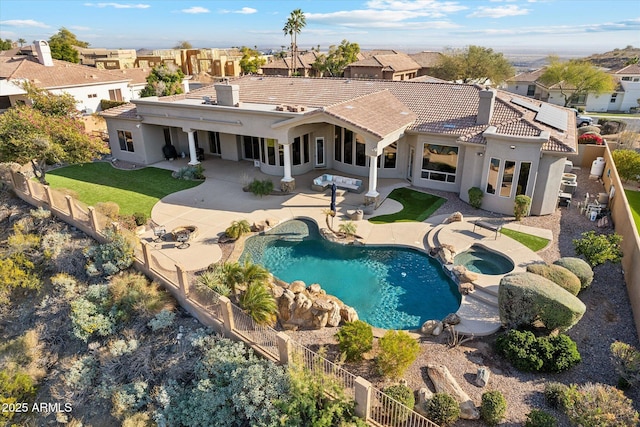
(542, 26)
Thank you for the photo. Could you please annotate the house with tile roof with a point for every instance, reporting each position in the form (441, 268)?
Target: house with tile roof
(391, 66)
(88, 85)
(282, 66)
(436, 135)
(427, 61)
(623, 99)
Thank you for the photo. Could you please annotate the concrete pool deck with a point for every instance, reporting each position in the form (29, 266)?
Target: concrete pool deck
(219, 200)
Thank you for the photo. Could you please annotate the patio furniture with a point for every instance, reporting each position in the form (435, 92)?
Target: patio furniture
(487, 226)
(564, 199)
(325, 180)
(159, 233)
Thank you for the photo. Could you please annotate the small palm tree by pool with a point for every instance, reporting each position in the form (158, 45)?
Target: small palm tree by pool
(416, 206)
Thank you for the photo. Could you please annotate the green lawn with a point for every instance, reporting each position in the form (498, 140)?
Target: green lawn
(534, 243)
(134, 191)
(416, 206)
(633, 197)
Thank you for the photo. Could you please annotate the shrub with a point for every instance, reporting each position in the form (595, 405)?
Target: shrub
(90, 313)
(404, 395)
(109, 209)
(40, 213)
(627, 163)
(590, 138)
(140, 218)
(16, 386)
(493, 407)
(82, 373)
(16, 272)
(162, 320)
(539, 418)
(259, 303)
(52, 244)
(579, 267)
(355, 339)
(599, 248)
(348, 228)
(237, 229)
(558, 275)
(397, 352)
(521, 207)
(131, 293)
(261, 187)
(110, 257)
(129, 398)
(529, 353)
(601, 405)
(626, 362)
(475, 197)
(555, 394)
(190, 173)
(443, 409)
(214, 280)
(119, 347)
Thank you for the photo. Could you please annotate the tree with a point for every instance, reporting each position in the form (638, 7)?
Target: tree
(334, 62)
(575, 78)
(294, 25)
(183, 44)
(251, 60)
(21, 41)
(6, 44)
(627, 164)
(62, 46)
(164, 80)
(473, 64)
(47, 132)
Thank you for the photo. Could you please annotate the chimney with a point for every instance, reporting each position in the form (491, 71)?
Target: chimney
(485, 106)
(228, 95)
(44, 52)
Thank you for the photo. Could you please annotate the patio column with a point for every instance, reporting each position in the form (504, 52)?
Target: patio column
(371, 197)
(193, 155)
(287, 183)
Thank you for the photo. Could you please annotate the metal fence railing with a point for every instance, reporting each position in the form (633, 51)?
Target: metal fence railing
(389, 412)
(263, 336)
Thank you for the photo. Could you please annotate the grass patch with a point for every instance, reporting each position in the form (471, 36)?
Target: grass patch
(633, 197)
(134, 191)
(416, 206)
(534, 243)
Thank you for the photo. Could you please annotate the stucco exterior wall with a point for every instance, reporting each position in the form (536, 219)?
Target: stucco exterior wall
(547, 185)
(140, 154)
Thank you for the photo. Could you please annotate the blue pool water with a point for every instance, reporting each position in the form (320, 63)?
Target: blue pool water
(484, 261)
(389, 287)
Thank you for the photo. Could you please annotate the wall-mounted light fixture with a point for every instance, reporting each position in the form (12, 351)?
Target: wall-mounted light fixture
(513, 147)
(138, 125)
(480, 153)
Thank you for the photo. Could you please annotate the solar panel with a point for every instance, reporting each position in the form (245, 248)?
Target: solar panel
(526, 104)
(552, 116)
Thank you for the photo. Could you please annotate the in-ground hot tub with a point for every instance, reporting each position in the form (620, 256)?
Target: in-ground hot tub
(484, 261)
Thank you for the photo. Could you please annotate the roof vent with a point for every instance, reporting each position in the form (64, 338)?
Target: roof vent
(228, 95)
(485, 106)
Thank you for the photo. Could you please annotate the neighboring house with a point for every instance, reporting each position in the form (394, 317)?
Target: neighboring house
(442, 136)
(427, 61)
(87, 85)
(214, 62)
(282, 66)
(624, 98)
(393, 66)
(107, 59)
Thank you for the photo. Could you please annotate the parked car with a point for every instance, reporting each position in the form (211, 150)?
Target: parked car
(582, 120)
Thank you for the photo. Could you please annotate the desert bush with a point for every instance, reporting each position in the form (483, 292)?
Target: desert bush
(20, 242)
(540, 418)
(529, 353)
(109, 209)
(162, 320)
(397, 352)
(626, 362)
(82, 373)
(443, 409)
(493, 407)
(131, 293)
(52, 244)
(259, 303)
(348, 228)
(558, 275)
(627, 163)
(16, 272)
(591, 129)
(611, 126)
(140, 218)
(599, 405)
(119, 347)
(190, 173)
(140, 419)
(555, 394)
(355, 339)
(404, 395)
(129, 398)
(599, 248)
(521, 206)
(237, 229)
(16, 386)
(579, 267)
(90, 313)
(214, 280)
(40, 213)
(475, 197)
(111, 257)
(261, 187)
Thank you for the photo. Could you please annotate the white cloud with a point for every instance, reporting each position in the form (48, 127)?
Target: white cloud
(432, 6)
(243, 11)
(611, 27)
(119, 5)
(79, 28)
(499, 12)
(24, 23)
(195, 10)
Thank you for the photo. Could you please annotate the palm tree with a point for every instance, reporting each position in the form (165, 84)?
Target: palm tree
(348, 228)
(259, 303)
(294, 25)
(329, 213)
(21, 41)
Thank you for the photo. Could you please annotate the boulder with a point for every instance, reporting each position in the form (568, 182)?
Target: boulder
(314, 289)
(464, 275)
(445, 255)
(449, 247)
(437, 330)
(429, 326)
(465, 288)
(527, 298)
(451, 319)
(482, 377)
(444, 382)
(334, 315)
(297, 286)
(277, 291)
(285, 305)
(454, 217)
(424, 396)
(348, 314)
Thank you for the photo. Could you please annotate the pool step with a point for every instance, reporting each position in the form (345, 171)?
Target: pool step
(431, 238)
(484, 296)
(490, 289)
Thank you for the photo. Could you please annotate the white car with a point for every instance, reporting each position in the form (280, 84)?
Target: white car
(582, 120)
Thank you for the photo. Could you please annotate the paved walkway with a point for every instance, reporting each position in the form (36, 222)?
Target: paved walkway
(219, 200)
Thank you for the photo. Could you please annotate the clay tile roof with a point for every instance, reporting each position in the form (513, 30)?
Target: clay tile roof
(124, 111)
(137, 75)
(398, 62)
(388, 115)
(629, 69)
(529, 76)
(426, 59)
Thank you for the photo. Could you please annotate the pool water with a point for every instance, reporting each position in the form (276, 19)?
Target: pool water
(483, 261)
(389, 287)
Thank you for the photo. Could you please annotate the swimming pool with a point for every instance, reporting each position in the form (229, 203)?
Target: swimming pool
(481, 260)
(390, 287)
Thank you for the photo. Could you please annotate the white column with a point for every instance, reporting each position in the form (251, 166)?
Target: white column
(287, 162)
(193, 155)
(373, 177)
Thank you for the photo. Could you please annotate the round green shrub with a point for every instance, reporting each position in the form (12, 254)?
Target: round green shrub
(140, 218)
(599, 248)
(493, 407)
(261, 187)
(529, 353)
(443, 409)
(555, 394)
(559, 275)
(540, 418)
(404, 395)
(579, 267)
(475, 197)
(355, 339)
(398, 350)
(597, 405)
(521, 206)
